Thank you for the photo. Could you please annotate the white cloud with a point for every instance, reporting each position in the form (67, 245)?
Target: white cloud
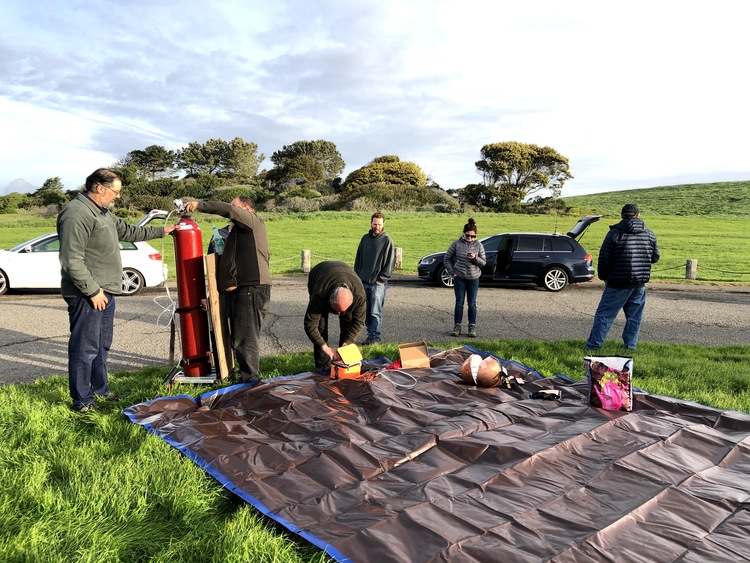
(631, 94)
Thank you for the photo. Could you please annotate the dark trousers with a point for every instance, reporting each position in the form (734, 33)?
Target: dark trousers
(322, 361)
(90, 340)
(248, 305)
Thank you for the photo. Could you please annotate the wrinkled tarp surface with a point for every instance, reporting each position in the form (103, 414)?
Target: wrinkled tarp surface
(434, 470)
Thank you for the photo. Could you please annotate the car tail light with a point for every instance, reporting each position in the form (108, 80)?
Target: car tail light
(155, 256)
(588, 259)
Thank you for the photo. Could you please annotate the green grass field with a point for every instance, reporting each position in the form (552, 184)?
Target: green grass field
(721, 245)
(97, 488)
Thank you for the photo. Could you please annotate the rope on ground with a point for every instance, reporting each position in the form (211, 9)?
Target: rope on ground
(667, 269)
(725, 271)
(284, 259)
(326, 257)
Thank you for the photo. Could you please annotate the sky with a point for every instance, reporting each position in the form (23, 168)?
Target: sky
(635, 94)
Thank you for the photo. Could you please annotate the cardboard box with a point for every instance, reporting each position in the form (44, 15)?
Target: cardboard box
(350, 364)
(414, 355)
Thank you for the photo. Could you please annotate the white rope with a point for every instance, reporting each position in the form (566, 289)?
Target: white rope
(382, 373)
(171, 307)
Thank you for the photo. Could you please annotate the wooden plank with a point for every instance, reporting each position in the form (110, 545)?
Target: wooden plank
(223, 356)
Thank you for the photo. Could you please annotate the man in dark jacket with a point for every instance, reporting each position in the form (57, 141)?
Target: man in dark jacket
(334, 288)
(624, 265)
(91, 277)
(244, 278)
(374, 265)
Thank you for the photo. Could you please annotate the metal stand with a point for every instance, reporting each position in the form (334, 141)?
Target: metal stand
(177, 375)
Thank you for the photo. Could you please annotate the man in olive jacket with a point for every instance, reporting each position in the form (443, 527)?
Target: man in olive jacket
(91, 276)
(244, 277)
(625, 259)
(335, 288)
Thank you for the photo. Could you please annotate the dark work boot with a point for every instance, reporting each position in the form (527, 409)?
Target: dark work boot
(472, 331)
(456, 331)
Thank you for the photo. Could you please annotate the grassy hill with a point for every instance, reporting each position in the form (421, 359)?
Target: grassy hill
(721, 198)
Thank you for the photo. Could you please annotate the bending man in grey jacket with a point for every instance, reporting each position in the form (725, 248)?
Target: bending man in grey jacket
(334, 288)
(374, 265)
(624, 265)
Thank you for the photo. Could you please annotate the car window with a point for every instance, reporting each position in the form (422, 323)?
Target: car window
(491, 243)
(530, 244)
(49, 245)
(125, 245)
(560, 244)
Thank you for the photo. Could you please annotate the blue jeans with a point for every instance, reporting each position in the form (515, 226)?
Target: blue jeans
(631, 301)
(465, 290)
(375, 294)
(90, 340)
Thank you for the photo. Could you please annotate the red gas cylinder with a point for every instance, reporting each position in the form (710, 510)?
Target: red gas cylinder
(191, 291)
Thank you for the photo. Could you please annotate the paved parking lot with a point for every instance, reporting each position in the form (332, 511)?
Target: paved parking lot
(34, 326)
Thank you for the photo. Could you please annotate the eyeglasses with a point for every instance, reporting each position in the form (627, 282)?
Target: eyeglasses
(116, 192)
(470, 236)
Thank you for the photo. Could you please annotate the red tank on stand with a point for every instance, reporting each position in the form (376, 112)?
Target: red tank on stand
(191, 291)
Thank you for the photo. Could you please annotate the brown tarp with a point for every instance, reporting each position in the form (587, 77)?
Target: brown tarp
(430, 469)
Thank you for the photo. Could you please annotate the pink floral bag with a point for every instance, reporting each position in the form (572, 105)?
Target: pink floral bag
(610, 386)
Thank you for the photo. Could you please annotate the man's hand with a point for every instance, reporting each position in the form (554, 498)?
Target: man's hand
(331, 353)
(191, 206)
(170, 228)
(99, 301)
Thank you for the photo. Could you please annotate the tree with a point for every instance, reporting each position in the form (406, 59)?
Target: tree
(517, 170)
(51, 193)
(236, 158)
(323, 152)
(243, 160)
(386, 170)
(303, 167)
(152, 162)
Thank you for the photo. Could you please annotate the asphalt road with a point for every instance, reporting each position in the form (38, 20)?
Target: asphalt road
(34, 326)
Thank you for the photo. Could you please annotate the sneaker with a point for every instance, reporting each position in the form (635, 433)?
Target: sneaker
(368, 342)
(472, 331)
(456, 331)
(113, 398)
(88, 407)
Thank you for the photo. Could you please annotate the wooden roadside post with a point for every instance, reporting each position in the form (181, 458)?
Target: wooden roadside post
(691, 269)
(306, 261)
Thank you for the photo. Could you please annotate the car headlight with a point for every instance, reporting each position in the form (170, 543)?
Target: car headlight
(427, 260)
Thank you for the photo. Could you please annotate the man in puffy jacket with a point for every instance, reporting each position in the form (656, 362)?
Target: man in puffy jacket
(624, 265)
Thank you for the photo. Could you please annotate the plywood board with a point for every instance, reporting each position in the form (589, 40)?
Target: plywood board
(223, 356)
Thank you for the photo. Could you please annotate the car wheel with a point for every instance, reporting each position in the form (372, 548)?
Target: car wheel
(3, 283)
(445, 279)
(555, 279)
(132, 281)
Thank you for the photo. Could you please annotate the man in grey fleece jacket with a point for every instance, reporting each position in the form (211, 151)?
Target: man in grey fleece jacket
(91, 276)
(374, 265)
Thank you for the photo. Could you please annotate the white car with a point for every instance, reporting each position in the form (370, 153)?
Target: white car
(35, 264)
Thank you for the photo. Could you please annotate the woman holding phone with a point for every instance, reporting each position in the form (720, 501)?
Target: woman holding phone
(464, 261)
